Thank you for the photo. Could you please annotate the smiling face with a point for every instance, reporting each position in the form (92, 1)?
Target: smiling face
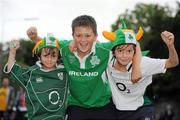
(84, 38)
(49, 58)
(124, 54)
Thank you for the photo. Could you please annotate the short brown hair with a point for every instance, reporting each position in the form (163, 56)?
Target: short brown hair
(85, 21)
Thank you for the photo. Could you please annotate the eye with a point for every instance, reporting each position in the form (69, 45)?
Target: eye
(77, 35)
(119, 51)
(54, 56)
(130, 51)
(44, 55)
(87, 36)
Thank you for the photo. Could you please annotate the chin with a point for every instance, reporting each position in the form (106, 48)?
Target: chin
(124, 63)
(84, 50)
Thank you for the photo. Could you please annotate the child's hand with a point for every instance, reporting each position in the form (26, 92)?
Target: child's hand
(32, 34)
(72, 46)
(14, 45)
(168, 38)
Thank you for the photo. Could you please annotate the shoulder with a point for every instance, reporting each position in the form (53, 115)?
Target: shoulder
(33, 67)
(98, 46)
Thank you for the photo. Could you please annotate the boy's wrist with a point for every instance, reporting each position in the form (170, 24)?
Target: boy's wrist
(12, 51)
(171, 46)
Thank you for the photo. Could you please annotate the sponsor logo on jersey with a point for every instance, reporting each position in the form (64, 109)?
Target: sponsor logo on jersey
(56, 97)
(74, 73)
(39, 80)
(94, 61)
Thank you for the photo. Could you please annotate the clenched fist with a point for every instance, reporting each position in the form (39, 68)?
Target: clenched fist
(32, 34)
(168, 38)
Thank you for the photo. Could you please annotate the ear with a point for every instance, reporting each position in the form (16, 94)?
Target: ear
(95, 39)
(114, 55)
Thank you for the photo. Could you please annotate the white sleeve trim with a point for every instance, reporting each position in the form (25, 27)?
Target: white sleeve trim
(110, 56)
(5, 68)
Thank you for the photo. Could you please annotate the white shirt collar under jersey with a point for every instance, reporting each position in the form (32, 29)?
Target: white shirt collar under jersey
(38, 63)
(127, 67)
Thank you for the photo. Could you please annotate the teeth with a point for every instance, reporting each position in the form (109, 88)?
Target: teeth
(83, 44)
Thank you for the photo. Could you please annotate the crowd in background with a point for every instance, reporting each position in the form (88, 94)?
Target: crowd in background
(12, 104)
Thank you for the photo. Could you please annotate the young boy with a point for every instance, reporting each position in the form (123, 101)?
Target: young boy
(45, 82)
(128, 97)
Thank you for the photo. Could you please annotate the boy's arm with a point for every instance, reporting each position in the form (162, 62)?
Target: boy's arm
(14, 70)
(173, 59)
(33, 35)
(14, 45)
(107, 45)
(136, 72)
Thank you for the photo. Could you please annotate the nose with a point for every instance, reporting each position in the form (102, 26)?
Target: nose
(124, 54)
(49, 58)
(83, 38)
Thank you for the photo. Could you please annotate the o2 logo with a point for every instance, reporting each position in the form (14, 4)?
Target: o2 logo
(122, 87)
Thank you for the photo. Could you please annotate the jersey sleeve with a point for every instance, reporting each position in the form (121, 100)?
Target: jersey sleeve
(17, 74)
(107, 45)
(64, 43)
(151, 66)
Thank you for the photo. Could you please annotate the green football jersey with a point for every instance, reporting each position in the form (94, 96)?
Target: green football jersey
(87, 78)
(46, 91)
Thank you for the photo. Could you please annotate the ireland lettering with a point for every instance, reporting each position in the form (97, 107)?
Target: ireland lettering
(86, 74)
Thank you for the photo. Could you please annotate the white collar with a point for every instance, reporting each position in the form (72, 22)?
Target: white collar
(38, 63)
(127, 67)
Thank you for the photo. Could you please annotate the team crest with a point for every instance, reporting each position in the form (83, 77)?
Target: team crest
(129, 37)
(71, 58)
(94, 61)
(60, 75)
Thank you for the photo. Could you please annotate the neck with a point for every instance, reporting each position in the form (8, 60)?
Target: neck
(120, 67)
(82, 54)
(45, 68)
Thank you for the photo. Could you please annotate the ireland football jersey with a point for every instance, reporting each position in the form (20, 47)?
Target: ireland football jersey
(88, 82)
(46, 91)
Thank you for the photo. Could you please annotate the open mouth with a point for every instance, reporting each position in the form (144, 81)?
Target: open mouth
(83, 45)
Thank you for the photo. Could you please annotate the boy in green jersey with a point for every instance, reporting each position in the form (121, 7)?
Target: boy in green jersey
(45, 82)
